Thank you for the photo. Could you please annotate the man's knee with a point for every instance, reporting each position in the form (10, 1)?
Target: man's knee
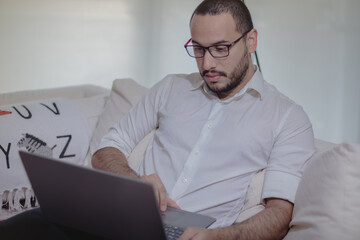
(28, 225)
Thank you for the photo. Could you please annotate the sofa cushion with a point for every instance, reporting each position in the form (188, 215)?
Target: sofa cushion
(125, 93)
(92, 108)
(52, 127)
(327, 202)
(253, 203)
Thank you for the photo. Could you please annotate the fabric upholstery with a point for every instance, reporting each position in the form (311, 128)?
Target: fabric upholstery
(327, 202)
(125, 93)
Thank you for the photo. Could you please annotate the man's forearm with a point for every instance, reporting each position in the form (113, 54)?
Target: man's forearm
(270, 224)
(112, 160)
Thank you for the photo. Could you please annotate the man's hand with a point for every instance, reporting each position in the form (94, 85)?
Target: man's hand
(160, 191)
(112, 160)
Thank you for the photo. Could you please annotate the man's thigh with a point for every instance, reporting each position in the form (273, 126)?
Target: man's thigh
(32, 225)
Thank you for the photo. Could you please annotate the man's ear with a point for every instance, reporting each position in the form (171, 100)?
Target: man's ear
(251, 40)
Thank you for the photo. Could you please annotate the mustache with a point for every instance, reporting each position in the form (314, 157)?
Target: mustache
(213, 71)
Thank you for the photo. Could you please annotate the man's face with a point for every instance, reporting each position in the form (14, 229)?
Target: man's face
(224, 76)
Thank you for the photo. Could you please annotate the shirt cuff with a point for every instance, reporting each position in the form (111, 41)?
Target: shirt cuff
(108, 143)
(278, 184)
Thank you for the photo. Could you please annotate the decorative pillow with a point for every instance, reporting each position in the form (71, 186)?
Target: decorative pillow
(125, 93)
(327, 203)
(51, 127)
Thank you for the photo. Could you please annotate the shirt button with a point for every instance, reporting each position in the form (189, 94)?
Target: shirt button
(209, 126)
(185, 180)
(196, 153)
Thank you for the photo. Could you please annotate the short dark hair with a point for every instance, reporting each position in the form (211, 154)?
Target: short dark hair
(236, 8)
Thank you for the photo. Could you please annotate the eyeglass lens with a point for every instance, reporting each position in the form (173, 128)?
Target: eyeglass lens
(215, 51)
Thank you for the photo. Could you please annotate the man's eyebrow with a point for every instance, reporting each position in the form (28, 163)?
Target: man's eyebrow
(216, 43)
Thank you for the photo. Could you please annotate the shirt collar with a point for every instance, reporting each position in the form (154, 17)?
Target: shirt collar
(256, 84)
(197, 83)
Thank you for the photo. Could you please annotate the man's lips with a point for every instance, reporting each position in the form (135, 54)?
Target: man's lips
(213, 76)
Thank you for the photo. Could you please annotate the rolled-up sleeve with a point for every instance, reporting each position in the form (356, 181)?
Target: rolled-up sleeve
(293, 147)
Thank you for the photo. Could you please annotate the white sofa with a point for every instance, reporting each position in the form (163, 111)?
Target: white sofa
(327, 204)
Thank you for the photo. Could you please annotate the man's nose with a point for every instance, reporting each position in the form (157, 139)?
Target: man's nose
(209, 62)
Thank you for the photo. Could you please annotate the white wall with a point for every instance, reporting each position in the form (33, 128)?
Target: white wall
(309, 49)
(47, 43)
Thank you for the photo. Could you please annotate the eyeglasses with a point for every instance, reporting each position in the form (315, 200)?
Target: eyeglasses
(217, 51)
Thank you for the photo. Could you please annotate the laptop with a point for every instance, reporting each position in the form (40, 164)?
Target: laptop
(102, 203)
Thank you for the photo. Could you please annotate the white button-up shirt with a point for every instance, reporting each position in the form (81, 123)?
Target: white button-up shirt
(206, 150)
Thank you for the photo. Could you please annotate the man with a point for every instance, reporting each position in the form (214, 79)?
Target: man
(215, 130)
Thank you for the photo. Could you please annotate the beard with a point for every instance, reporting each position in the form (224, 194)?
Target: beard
(235, 77)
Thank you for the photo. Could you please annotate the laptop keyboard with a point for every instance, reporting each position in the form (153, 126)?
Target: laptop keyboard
(172, 232)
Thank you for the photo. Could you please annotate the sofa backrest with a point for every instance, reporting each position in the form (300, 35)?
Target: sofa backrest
(71, 92)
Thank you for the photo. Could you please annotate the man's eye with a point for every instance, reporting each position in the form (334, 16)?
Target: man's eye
(220, 48)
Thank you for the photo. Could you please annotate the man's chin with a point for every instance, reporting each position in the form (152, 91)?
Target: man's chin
(216, 87)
